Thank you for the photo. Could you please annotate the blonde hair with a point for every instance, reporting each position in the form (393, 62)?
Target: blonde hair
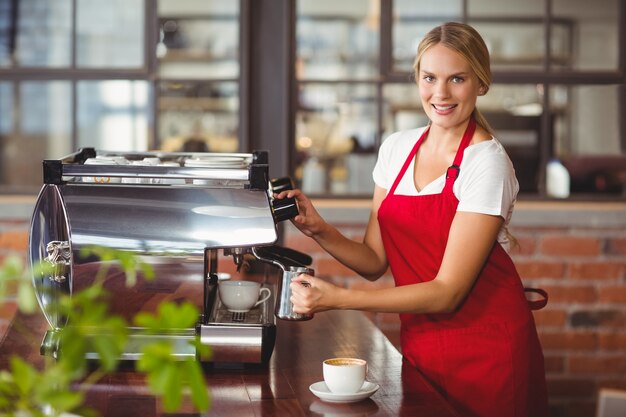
(465, 40)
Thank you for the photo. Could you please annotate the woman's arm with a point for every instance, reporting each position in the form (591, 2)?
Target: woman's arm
(367, 258)
(470, 241)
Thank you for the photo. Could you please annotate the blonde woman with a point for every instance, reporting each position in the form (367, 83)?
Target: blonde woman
(443, 198)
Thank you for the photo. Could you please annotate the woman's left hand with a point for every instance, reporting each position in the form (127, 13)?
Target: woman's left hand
(311, 295)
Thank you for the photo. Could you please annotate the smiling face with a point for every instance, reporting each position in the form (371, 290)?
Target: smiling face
(448, 86)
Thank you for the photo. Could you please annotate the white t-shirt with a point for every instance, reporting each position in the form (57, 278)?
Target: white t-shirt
(486, 182)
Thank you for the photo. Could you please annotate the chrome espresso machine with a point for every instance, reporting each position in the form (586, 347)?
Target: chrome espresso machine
(183, 213)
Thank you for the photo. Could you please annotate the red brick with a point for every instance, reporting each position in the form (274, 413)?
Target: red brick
(613, 383)
(571, 341)
(597, 270)
(565, 245)
(550, 317)
(617, 246)
(612, 341)
(577, 408)
(609, 318)
(554, 364)
(597, 365)
(571, 387)
(538, 269)
(302, 243)
(332, 267)
(573, 294)
(523, 245)
(16, 240)
(612, 294)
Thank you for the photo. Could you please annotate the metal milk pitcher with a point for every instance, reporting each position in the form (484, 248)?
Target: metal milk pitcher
(284, 307)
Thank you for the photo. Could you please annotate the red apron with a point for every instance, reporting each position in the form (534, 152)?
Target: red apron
(485, 357)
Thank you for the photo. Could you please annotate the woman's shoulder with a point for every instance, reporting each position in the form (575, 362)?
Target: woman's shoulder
(488, 150)
(401, 139)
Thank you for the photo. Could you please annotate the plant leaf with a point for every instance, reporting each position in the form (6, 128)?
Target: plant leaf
(199, 392)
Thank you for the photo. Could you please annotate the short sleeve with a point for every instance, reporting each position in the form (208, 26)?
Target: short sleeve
(487, 183)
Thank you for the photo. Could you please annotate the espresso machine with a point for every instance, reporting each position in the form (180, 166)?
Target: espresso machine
(182, 213)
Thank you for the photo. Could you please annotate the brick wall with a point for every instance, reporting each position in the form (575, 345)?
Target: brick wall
(583, 328)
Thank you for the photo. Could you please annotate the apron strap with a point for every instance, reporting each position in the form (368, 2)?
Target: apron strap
(537, 304)
(453, 170)
(408, 161)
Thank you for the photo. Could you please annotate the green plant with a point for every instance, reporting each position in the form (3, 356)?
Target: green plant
(61, 385)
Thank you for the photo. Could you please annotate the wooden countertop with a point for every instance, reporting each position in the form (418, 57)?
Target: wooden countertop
(280, 388)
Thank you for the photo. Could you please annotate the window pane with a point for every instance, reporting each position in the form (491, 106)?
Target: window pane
(335, 138)
(337, 39)
(198, 39)
(110, 34)
(6, 32)
(412, 20)
(513, 31)
(43, 33)
(589, 139)
(202, 113)
(402, 108)
(591, 119)
(6, 104)
(113, 115)
(42, 132)
(592, 39)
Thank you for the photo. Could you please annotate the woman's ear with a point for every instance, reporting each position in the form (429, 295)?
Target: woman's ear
(482, 90)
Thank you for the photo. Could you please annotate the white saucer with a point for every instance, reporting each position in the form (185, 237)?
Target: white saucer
(322, 392)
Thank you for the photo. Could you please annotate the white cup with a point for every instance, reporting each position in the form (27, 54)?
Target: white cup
(242, 296)
(344, 375)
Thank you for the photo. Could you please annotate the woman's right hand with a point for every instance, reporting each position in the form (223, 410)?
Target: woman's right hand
(308, 221)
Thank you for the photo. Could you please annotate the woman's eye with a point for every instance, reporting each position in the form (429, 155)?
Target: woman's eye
(457, 80)
(429, 78)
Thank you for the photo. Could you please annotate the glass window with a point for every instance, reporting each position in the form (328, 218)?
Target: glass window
(6, 104)
(412, 20)
(42, 130)
(337, 39)
(113, 115)
(198, 111)
(198, 39)
(6, 33)
(592, 41)
(513, 31)
(198, 66)
(336, 129)
(42, 32)
(110, 34)
(589, 139)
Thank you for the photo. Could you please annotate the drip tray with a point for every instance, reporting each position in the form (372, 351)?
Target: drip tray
(254, 316)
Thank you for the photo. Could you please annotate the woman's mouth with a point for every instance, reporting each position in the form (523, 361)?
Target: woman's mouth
(443, 109)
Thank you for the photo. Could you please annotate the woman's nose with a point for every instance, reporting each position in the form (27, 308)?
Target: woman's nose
(441, 90)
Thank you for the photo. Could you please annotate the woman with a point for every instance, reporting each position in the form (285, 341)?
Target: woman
(443, 198)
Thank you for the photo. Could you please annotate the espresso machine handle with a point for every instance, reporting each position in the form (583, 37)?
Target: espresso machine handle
(285, 208)
(283, 255)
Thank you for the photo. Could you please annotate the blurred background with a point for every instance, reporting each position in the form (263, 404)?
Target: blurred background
(320, 83)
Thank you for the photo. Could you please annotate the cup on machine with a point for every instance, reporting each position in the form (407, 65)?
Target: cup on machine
(242, 296)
